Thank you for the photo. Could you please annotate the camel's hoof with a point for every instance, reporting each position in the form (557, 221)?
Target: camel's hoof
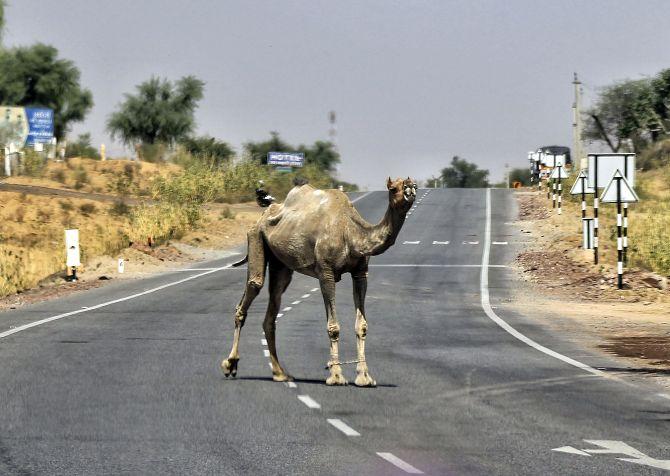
(282, 378)
(337, 379)
(229, 367)
(364, 380)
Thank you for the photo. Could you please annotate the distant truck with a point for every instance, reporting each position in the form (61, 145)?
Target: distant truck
(545, 158)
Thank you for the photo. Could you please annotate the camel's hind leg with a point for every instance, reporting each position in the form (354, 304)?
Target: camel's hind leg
(255, 280)
(280, 278)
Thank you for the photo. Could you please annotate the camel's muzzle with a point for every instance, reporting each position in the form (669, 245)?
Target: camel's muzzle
(409, 193)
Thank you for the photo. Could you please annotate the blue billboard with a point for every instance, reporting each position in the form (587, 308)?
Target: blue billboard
(286, 159)
(26, 125)
(40, 125)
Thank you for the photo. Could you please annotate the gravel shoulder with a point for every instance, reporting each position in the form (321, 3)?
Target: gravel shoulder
(561, 288)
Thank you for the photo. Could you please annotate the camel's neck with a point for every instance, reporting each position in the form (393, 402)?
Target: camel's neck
(375, 239)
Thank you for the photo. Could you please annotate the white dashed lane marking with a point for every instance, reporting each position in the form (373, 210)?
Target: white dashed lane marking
(397, 462)
(305, 296)
(295, 302)
(440, 242)
(499, 243)
(309, 401)
(291, 385)
(266, 353)
(287, 308)
(264, 342)
(471, 242)
(343, 427)
(315, 290)
(411, 242)
(280, 314)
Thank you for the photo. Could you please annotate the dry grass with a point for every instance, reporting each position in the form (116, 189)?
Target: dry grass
(649, 223)
(93, 176)
(31, 235)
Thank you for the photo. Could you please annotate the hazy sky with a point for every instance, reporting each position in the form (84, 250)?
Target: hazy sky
(413, 82)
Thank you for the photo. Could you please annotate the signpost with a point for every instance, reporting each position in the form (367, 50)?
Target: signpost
(605, 165)
(72, 254)
(286, 159)
(619, 191)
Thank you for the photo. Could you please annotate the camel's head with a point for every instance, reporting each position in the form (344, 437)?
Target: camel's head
(402, 192)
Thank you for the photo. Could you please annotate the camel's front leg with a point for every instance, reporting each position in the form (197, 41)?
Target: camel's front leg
(363, 378)
(327, 282)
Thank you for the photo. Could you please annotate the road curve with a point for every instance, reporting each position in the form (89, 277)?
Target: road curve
(130, 383)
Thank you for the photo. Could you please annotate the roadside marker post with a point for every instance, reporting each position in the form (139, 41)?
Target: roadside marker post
(72, 253)
(619, 191)
(580, 187)
(606, 165)
(557, 175)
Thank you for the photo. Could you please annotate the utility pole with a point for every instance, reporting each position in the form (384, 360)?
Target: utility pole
(577, 124)
(332, 136)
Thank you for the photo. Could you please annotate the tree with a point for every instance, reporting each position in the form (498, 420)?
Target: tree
(322, 154)
(463, 174)
(160, 112)
(207, 148)
(520, 175)
(661, 88)
(258, 151)
(82, 147)
(35, 76)
(624, 111)
(2, 20)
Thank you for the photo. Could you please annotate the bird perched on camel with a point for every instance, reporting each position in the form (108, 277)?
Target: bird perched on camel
(318, 233)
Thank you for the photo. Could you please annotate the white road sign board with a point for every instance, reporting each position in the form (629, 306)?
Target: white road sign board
(580, 185)
(558, 172)
(607, 164)
(626, 192)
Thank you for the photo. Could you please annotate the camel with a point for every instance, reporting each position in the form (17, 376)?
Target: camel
(320, 234)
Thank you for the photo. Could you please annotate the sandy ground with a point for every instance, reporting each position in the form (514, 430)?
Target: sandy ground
(562, 289)
(213, 240)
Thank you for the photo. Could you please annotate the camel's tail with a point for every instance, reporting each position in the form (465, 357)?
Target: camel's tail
(241, 262)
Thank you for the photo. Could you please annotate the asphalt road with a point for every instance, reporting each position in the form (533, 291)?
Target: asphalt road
(134, 386)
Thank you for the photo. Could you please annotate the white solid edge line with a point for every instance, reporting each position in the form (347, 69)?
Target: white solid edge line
(362, 196)
(343, 427)
(397, 462)
(309, 401)
(486, 304)
(108, 303)
(435, 266)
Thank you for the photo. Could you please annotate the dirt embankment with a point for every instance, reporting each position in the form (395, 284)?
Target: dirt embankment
(222, 227)
(580, 299)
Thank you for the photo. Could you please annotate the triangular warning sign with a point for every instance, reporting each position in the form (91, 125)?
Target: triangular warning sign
(558, 172)
(581, 184)
(626, 194)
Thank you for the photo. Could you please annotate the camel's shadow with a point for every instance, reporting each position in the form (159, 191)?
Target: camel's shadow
(308, 381)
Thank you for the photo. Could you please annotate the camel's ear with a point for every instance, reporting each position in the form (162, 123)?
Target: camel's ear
(389, 183)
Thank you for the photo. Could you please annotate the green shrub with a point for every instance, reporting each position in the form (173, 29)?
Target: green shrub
(33, 163)
(87, 209)
(80, 177)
